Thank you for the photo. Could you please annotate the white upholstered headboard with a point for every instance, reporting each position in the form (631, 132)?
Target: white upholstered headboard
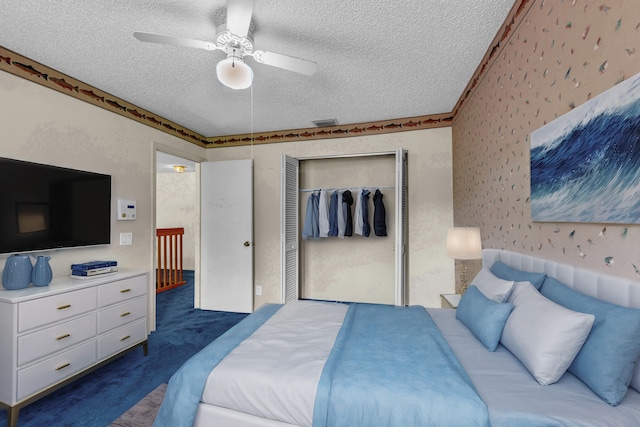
(617, 290)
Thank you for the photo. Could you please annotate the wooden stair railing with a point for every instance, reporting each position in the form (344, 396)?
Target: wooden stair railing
(169, 271)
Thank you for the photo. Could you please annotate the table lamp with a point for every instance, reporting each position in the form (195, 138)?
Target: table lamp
(464, 243)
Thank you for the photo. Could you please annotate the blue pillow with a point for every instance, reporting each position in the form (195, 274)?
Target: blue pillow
(483, 317)
(505, 272)
(607, 359)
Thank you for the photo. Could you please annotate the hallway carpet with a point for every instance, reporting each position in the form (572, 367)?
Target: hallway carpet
(99, 398)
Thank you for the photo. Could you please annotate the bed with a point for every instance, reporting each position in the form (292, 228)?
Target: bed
(364, 364)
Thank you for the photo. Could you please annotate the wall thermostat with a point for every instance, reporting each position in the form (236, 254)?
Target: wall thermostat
(126, 210)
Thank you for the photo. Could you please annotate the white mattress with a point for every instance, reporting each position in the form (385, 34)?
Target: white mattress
(515, 398)
(215, 416)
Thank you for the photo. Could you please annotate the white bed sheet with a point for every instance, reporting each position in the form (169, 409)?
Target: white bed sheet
(273, 374)
(515, 398)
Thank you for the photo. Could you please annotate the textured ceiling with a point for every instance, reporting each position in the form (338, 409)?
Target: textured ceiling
(377, 59)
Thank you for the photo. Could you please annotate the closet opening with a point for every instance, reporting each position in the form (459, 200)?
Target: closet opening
(356, 268)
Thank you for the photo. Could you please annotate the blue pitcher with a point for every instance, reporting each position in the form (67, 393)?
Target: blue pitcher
(17, 272)
(42, 274)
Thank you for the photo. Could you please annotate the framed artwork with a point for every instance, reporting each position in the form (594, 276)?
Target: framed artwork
(585, 165)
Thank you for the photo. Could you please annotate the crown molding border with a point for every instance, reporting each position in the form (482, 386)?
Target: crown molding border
(28, 69)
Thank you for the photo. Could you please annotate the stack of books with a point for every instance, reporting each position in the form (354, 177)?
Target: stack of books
(93, 268)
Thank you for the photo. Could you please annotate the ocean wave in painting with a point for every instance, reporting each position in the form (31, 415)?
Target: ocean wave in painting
(585, 167)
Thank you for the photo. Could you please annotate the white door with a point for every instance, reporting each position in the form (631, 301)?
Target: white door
(226, 239)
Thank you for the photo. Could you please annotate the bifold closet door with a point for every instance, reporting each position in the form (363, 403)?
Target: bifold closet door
(401, 227)
(226, 239)
(289, 229)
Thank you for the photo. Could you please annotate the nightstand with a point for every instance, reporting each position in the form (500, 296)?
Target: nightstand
(449, 300)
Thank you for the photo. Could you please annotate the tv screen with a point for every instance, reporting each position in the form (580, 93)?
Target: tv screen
(48, 207)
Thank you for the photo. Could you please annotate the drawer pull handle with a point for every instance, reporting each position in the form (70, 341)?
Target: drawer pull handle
(63, 366)
(125, 338)
(62, 307)
(124, 291)
(125, 314)
(61, 337)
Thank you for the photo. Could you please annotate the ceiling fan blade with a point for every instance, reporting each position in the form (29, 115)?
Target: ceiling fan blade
(174, 41)
(239, 16)
(286, 62)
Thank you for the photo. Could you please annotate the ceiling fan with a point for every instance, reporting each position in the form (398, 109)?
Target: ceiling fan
(236, 41)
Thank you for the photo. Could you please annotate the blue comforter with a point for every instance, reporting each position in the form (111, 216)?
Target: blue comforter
(390, 366)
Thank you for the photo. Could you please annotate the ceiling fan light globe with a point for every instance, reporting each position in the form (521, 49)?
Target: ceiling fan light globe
(234, 73)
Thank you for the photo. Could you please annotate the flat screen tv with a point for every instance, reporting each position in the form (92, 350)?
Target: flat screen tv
(48, 207)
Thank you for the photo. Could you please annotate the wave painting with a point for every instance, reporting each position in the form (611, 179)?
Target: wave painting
(585, 165)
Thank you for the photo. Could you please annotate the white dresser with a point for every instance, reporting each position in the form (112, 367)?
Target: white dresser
(54, 334)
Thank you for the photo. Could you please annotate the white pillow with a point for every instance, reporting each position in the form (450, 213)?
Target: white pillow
(543, 335)
(491, 286)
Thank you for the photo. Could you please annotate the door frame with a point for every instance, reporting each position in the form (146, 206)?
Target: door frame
(151, 291)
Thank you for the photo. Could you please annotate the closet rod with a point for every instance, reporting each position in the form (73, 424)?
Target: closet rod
(341, 156)
(310, 190)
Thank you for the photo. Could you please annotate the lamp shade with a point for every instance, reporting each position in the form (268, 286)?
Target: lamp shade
(464, 243)
(234, 73)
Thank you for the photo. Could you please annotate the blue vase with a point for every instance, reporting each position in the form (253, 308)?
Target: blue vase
(42, 274)
(17, 272)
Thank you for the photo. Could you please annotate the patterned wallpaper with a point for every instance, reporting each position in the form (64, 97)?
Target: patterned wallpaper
(563, 53)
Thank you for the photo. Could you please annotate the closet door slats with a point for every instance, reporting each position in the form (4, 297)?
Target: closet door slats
(401, 225)
(289, 229)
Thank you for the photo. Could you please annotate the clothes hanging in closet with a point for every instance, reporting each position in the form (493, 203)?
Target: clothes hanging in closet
(357, 215)
(311, 229)
(361, 215)
(347, 201)
(335, 219)
(341, 219)
(366, 229)
(379, 215)
(323, 215)
(333, 214)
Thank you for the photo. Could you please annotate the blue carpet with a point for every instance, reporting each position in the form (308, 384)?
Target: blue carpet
(102, 396)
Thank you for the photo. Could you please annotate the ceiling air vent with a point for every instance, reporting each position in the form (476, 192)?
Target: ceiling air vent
(325, 123)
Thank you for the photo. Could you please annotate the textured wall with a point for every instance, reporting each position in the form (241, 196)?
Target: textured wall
(562, 54)
(176, 206)
(45, 126)
(430, 206)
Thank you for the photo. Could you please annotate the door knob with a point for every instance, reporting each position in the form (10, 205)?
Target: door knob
(247, 243)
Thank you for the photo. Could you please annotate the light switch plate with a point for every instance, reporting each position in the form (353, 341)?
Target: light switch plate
(126, 239)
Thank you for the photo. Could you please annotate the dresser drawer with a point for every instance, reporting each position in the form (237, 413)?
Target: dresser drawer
(56, 338)
(54, 308)
(55, 369)
(122, 290)
(120, 339)
(121, 314)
